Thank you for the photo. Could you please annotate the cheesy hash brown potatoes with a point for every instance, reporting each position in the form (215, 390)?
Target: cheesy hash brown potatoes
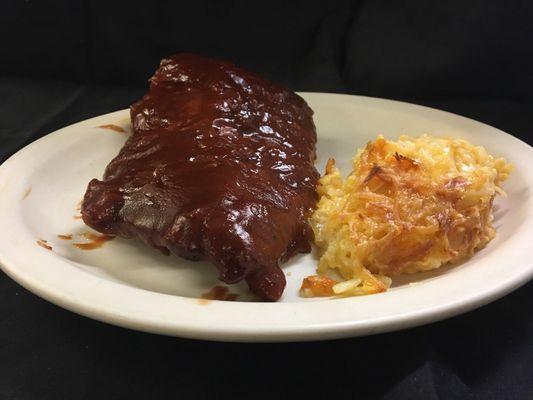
(409, 205)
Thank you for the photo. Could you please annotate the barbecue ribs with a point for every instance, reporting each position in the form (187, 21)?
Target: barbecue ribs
(219, 167)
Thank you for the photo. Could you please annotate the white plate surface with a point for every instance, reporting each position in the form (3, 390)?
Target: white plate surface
(129, 284)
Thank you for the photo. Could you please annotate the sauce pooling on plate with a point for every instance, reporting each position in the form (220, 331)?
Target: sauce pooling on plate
(219, 292)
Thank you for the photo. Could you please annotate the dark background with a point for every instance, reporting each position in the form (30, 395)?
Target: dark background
(62, 62)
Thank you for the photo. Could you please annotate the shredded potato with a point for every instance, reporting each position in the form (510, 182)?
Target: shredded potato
(409, 205)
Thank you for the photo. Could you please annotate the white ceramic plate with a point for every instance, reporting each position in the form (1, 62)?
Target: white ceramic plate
(129, 284)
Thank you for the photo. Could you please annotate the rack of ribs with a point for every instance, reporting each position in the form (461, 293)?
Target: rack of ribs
(219, 167)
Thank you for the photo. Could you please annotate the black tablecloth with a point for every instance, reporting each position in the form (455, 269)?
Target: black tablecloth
(66, 61)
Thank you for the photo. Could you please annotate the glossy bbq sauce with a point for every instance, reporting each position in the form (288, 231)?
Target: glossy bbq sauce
(218, 292)
(113, 127)
(95, 241)
(233, 147)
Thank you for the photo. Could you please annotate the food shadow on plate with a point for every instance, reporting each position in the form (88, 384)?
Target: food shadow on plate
(135, 264)
(406, 280)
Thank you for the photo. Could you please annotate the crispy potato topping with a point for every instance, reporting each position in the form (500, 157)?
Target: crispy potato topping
(410, 205)
(317, 286)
